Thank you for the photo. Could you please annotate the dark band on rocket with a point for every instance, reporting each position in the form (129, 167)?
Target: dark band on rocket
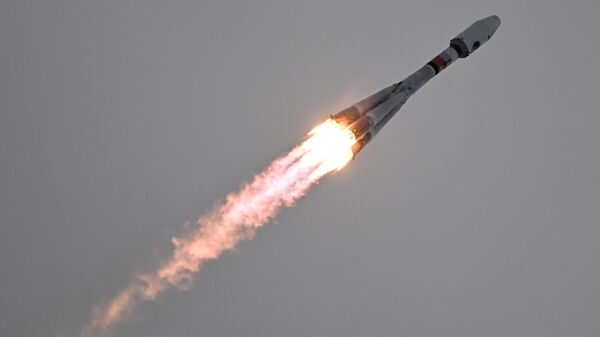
(440, 62)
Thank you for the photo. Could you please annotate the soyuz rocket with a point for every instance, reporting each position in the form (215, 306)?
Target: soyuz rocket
(368, 116)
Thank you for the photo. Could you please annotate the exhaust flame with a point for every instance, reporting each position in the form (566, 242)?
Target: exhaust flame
(328, 148)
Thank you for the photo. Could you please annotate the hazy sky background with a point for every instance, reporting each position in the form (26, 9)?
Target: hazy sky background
(475, 212)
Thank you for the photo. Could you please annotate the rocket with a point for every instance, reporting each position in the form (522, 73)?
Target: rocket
(368, 116)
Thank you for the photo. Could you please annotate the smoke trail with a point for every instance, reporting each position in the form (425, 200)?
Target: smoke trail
(328, 148)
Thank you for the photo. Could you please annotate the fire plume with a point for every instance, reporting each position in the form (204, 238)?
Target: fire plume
(327, 148)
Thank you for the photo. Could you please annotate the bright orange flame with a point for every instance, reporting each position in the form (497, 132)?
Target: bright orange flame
(328, 148)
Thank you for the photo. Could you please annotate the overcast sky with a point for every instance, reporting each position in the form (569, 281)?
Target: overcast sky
(475, 212)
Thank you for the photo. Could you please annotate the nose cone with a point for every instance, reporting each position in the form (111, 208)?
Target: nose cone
(475, 36)
(493, 22)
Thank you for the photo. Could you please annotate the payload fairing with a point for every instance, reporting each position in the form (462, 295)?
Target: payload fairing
(368, 116)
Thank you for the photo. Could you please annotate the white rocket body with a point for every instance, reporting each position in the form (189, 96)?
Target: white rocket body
(368, 116)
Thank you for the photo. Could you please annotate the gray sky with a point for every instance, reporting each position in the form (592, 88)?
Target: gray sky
(475, 212)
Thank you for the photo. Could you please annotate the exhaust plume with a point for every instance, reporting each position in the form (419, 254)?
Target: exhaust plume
(328, 148)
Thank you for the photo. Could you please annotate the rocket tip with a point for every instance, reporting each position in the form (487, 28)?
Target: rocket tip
(493, 21)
